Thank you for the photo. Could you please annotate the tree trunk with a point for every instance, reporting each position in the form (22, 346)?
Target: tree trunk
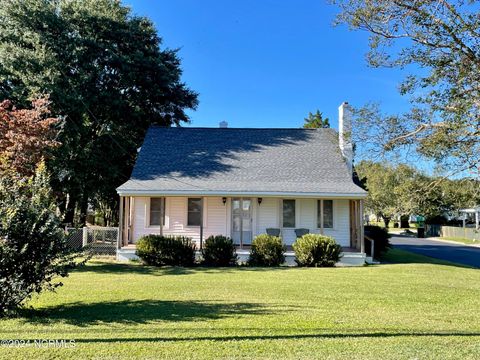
(386, 220)
(83, 210)
(69, 216)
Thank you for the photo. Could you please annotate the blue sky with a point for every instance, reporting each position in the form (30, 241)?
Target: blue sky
(268, 63)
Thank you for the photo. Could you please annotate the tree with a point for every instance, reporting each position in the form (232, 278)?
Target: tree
(33, 252)
(440, 39)
(460, 193)
(108, 78)
(403, 190)
(316, 121)
(25, 136)
(381, 181)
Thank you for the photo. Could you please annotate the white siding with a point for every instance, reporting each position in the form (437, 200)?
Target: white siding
(307, 213)
(217, 218)
(341, 223)
(267, 215)
(216, 213)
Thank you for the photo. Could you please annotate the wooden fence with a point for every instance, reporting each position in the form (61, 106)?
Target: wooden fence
(453, 232)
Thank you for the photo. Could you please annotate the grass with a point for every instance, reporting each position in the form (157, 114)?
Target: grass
(413, 307)
(460, 240)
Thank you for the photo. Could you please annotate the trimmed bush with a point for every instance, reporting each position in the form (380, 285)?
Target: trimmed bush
(160, 250)
(315, 250)
(380, 235)
(219, 250)
(267, 250)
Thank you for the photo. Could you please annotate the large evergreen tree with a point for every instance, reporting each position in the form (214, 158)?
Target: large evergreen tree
(108, 79)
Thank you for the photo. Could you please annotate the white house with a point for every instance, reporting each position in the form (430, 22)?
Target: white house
(240, 182)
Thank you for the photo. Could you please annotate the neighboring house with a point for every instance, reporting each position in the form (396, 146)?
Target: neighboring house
(473, 214)
(240, 182)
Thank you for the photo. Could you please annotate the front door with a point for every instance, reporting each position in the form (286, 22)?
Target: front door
(242, 221)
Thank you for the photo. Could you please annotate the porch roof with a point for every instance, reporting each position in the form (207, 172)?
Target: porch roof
(241, 162)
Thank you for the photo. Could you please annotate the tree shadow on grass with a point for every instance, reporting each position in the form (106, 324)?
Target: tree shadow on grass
(138, 312)
(136, 268)
(131, 268)
(314, 336)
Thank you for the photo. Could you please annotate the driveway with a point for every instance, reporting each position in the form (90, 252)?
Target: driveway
(460, 254)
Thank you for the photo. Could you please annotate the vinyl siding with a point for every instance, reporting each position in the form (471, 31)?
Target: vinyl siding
(267, 215)
(217, 218)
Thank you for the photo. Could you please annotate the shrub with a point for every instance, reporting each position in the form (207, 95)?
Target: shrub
(316, 250)
(219, 251)
(160, 250)
(380, 235)
(267, 250)
(33, 251)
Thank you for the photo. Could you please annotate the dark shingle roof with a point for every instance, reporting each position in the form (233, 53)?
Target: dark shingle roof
(229, 160)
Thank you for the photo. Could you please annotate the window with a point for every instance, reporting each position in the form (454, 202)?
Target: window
(288, 213)
(327, 214)
(157, 211)
(194, 212)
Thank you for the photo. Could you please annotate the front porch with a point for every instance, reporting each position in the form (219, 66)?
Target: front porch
(241, 218)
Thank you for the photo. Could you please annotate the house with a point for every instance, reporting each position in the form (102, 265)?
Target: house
(240, 182)
(473, 214)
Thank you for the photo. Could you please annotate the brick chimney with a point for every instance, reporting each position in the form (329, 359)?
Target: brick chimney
(345, 134)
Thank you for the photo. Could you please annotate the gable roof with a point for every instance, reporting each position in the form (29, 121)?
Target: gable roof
(240, 161)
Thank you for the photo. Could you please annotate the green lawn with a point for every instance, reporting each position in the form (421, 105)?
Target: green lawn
(414, 310)
(460, 240)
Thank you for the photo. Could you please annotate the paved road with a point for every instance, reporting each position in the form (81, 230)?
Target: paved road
(460, 254)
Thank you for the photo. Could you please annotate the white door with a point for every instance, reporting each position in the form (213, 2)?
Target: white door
(242, 221)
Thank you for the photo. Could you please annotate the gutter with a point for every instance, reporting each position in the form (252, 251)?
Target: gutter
(152, 193)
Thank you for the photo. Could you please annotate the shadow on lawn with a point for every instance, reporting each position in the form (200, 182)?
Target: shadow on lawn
(319, 336)
(120, 268)
(138, 312)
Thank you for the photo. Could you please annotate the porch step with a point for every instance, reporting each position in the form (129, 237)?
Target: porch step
(348, 258)
(127, 253)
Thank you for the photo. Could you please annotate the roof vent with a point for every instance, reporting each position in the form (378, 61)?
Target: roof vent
(223, 124)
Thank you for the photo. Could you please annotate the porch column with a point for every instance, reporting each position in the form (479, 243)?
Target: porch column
(362, 230)
(162, 214)
(120, 223)
(131, 223)
(202, 212)
(126, 222)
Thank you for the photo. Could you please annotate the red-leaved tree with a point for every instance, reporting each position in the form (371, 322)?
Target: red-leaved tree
(26, 135)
